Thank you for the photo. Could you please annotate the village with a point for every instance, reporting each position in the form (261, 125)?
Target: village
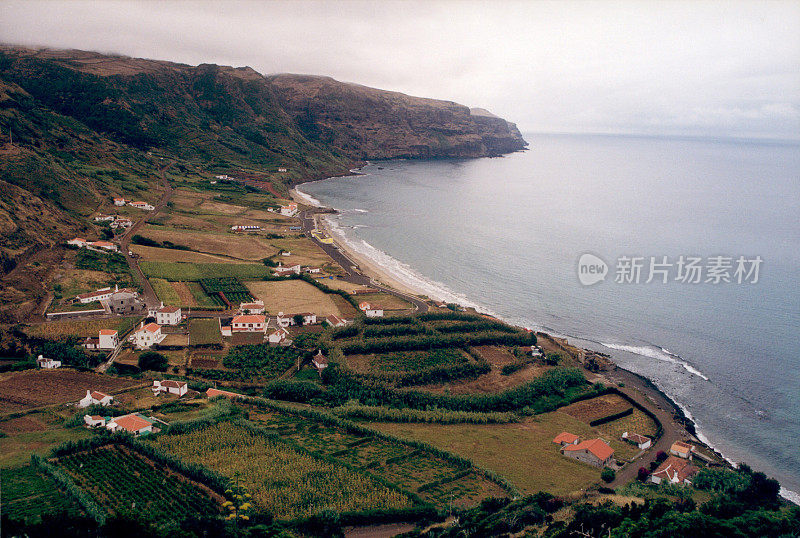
(220, 293)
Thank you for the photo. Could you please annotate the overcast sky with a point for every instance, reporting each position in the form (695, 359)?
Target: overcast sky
(718, 68)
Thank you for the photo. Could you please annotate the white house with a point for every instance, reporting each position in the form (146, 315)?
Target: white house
(308, 318)
(312, 270)
(336, 321)
(639, 440)
(134, 423)
(278, 336)
(94, 397)
(370, 311)
(108, 339)
(166, 315)
(94, 421)
(250, 323)
(148, 335)
(142, 205)
(105, 245)
(282, 170)
(170, 386)
(289, 210)
(681, 449)
(566, 438)
(118, 201)
(284, 320)
(43, 362)
(104, 218)
(99, 295)
(320, 361)
(245, 228)
(121, 222)
(674, 470)
(286, 271)
(256, 307)
(77, 242)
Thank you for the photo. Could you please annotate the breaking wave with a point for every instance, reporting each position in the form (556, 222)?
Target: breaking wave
(658, 353)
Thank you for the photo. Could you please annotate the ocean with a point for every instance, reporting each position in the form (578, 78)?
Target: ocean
(506, 234)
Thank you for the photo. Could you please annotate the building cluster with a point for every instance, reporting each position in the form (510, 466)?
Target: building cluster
(595, 452)
(119, 201)
(115, 221)
(117, 301)
(97, 246)
(134, 423)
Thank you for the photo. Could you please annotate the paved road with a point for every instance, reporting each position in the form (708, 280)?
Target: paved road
(124, 241)
(350, 267)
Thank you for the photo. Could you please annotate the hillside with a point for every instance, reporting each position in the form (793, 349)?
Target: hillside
(87, 126)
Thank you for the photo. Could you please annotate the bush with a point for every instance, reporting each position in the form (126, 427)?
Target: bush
(150, 360)
(608, 474)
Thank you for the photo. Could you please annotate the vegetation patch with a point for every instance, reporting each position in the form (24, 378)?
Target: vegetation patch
(204, 332)
(165, 292)
(198, 271)
(28, 493)
(598, 408)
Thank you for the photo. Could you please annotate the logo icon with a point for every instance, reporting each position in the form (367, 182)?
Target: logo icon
(591, 269)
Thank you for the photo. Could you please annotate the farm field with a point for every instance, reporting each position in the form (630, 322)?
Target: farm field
(283, 481)
(496, 355)
(197, 271)
(16, 448)
(35, 388)
(293, 296)
(118, 478)
(386, 301)
(522, 452)
(597, 408)
(165, 292)
(406, 361)
(204, 332)
(349, 287)
(233, 290)
(82, 328)
(200, 298)
(156, 254)
(303, 251)
(242, 247)
(412, 469)
(28, 493)
(72, 282)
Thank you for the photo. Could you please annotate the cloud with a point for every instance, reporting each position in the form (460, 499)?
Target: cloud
(728, 68)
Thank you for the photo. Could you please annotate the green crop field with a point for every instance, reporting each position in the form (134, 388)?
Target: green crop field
(405, 466)
(204, 332)
(28, 493)
(283, 481)
(166, 293)
(200, 296)
(121, 481)
(174, 271)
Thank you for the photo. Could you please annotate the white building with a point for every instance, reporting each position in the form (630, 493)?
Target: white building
(249, 324)
(289, 210)
(166, 315)
(118, 201)
(134, 423)
(94, 421)
(104, 218)
(94, 397)
(77, 242)
(121, 222)
(278, 336)
(288, 270)
(147, 336)
(336, 321)
(142, 205)
(170, 386)
(369, 311)
(320, 361)
(245, 228)
(43, 362)
(105, 245)
(99, 295)
(256, 307)
(108, 339)
(639, 440)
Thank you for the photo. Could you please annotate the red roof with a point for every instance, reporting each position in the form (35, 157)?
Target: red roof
(150, 327)
(169, 309)
(673, 467)
(97, 395)
(102, 244)
(211, 393)
(364, 306)
(680, 446)
(107, 332)
(566, 438)
(249, 318)
(598, 447)
(638, 439)
(131, 423)
(173, 384)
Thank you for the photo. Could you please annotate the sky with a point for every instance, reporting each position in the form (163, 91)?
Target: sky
(699, 68)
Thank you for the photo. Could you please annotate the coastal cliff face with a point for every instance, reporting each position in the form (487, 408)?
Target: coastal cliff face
(87, 125)
(366, 123)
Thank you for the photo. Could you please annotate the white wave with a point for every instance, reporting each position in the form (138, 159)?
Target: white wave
(308, 198)
(791, 496)
(400, 271)
(658, 354)
(361, 211)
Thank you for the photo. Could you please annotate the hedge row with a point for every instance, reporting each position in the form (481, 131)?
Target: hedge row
(382, 345)
(92, 509)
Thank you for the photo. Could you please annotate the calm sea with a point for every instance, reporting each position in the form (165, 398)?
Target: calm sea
(506, 234)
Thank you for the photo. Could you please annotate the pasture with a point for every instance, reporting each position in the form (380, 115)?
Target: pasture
(242, 247)
(293, 296)
(197, 271)
(81, 328)
(156, 254)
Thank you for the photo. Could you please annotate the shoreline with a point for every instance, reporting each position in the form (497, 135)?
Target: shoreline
(644, 385)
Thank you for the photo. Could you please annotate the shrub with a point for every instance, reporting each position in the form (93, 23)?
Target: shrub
(608, 474)
(150, 360)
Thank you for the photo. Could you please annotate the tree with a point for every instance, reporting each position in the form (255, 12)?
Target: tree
(642, 475)
(661, 456)
(298, 319)
(150, 360)
(608, 474)
(552, 359)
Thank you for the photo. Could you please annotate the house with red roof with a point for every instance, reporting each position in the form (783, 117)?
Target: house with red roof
(213, 393)
(170, 386)
(166, 315)
(566, 438)
(95, 397)
(133, 423)
(370, 311)
(287, 270)
(103, 294)
(148, 335)
(119, 201)
(674, 470)
(142, 205)
(681, 449)
(77, 242)
(107, 339)
(594, 452)
(250, 323)
(320, 361)
(256, 307)
(278, 336)
(641, 441)
(336, 321)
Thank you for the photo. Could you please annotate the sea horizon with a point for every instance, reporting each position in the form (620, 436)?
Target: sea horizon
(363, 230)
